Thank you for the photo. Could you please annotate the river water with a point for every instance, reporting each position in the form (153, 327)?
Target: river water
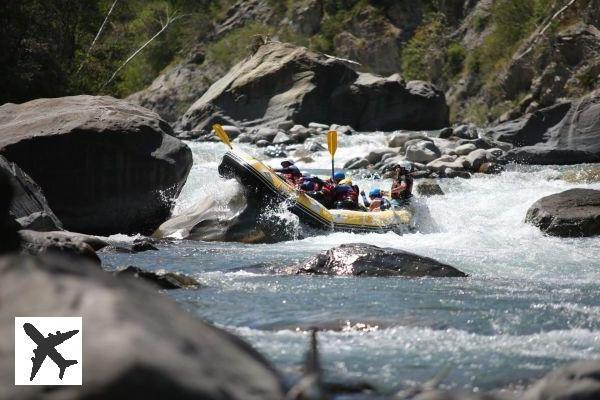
(530, 303)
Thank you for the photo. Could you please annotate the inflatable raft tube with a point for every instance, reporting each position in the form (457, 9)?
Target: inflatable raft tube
(265, 186)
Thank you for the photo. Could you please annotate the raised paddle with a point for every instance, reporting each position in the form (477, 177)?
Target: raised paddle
(222, 134)
(332, 147)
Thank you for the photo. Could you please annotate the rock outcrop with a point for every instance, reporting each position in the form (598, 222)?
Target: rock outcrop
(161, 279)
(575, 212)
(282, 82)
(137, 344)
(359, 259)
(105, 165)
(573, 139)
(29, 205)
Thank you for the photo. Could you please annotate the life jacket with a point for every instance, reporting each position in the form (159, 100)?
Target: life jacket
(398, 191)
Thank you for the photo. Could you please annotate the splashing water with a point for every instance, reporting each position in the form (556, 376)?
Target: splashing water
(529, 304)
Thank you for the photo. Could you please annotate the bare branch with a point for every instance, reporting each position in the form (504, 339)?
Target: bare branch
(545, 28)
(170, 19)
(87, 54)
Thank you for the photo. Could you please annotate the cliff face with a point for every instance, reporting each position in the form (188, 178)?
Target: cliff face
(495, 59)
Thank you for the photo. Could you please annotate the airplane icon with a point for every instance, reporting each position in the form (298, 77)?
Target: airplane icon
(46, 347)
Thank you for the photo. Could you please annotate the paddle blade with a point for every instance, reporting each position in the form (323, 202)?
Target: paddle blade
(332, 142)
(220, 132)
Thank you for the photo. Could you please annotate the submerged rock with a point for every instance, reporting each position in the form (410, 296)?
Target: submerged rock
(359, 259)
(105, 165)
(138, 344)
(575, 212)
(576, 381)
(29, 205)
(429, 187)
(284, 82)
(164, 280)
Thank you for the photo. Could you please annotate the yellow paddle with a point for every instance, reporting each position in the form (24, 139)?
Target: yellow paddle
(332, 147)
(222, 134)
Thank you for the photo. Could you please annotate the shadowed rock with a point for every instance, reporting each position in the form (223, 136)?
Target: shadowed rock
(576, 381)
(29, 205)
(575, 212)
(359, 259)
(105, 165)
(138, 344)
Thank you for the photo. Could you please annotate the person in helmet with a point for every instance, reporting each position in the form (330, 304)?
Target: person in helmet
(402, 186)
(290, 172)
(377, 201)
(346, 195)
(338, 177)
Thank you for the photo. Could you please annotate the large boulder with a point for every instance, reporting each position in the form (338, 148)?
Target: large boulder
(105, 165)
(29, 205)
(577, 381)
(574, 139)
(284, 82)
(136, 343)
(9, 239)
(575, 212)
(359, 259)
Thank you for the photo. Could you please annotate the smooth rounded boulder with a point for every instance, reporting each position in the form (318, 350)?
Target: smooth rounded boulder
(105, 165)
(573, 213)
(359, 259)
(136, 343)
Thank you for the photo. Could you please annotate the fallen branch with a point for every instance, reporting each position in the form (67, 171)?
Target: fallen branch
(545, 28)
(164, 25)
(87, 54)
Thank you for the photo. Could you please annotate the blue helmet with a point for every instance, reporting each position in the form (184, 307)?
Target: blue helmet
(375, 192)
(338, 176)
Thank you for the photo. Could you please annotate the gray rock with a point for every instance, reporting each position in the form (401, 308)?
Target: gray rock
(455, 395)
(466, 131)
(446, 133)
(422, 152)
(342, 129)
(451, 162)
(306, 16)
(429, 187)
(10, 241)
(576, 381)
(357, 163)
(575, 212)
(476, 158)
(264, 133)
(359, 259)
(376, 155)
(262, 143)
(464, 149)
(494, 153)
(282, 138)
(67, 244)
(244, 138)
(139, 344)
(105, 165)
(318, 126)
(285, 125)
(313, 145)
(323, 88)
(400, 139)
(29, 205)
(164, 280)
(574, 139)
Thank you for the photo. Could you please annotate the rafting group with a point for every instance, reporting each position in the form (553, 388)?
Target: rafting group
(338, 192)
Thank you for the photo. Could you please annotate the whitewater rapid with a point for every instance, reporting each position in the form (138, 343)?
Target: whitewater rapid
(529, 304)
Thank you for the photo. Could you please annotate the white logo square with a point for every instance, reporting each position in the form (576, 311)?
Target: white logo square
(48, 350)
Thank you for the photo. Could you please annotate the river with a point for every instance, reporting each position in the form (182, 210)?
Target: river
(530, 303)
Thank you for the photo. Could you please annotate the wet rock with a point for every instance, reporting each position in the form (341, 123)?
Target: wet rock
(466, 131)
(490, 168)
(576, 381)
(449, 162)
(446, 133)
(29, 205)
(455, 395)
(575, 212)
(163, 279)
(323, 88)
(494, 153)
(105, 165)
(318, 126)
(422, 152)
(264, 133)
(282, 138)
(285, 125)
(142, 344)
(143, 245)
(68, 244)
(360, 259)
(429, 187)
(342, 129)
(453, 173)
